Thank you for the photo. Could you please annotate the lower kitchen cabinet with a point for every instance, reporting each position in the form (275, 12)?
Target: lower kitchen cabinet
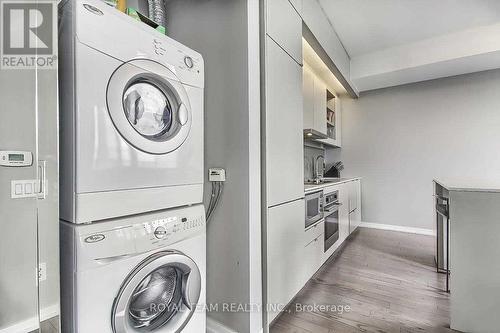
(354, 205)
(313, 250)
(285, 247)
(313, 255)
(344, 212)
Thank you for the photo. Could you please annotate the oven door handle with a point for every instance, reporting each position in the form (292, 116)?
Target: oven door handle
(331, 211)
(332, 207)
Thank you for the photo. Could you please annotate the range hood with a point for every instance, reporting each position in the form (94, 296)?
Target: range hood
(312, 134)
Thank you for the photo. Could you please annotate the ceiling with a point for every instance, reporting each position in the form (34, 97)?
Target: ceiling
(366, 26)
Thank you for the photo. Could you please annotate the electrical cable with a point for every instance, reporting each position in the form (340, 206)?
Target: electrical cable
(217, 191)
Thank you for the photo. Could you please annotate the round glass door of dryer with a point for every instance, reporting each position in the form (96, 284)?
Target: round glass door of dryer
(159, 295)
(149, 106)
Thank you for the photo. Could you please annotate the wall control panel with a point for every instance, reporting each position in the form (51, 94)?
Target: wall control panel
(10, 158)
(217, 175)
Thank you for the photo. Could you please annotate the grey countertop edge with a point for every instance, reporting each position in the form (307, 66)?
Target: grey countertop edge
(467, 188)
(314, 188)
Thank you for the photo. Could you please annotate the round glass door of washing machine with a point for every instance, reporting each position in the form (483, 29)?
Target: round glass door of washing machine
(149, 106)
(160, 294)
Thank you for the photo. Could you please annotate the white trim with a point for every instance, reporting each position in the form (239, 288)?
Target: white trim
(24, 326)
(49, 312)
(32, 323)
(213, 326)
(410, 230)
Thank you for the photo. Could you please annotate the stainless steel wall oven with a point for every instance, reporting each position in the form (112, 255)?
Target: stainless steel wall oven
(331, 215)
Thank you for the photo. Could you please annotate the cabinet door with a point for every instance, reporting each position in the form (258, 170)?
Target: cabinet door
(284, 145)
(313, 256)
(353, 196)
(285, 234)
(308, 92)
(320, 106)
(338, 123)
(355, 215)
(344, 212)
(284, 25)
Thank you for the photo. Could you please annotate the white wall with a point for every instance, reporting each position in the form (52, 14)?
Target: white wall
(398, 139)
(226, 33)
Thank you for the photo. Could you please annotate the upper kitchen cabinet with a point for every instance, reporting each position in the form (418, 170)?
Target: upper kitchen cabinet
(333, 121)
(321, 119)
(319, 106)
(284, 26)
(283, 117)
(314, 96)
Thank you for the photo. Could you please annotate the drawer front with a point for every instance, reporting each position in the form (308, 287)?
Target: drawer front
(314, 232)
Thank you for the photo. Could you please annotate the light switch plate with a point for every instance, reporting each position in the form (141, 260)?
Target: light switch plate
(27, 188)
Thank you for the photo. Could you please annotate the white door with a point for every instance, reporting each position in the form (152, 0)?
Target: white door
(159, 295)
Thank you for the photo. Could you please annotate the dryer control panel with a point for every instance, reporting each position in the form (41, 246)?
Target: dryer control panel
(162, 232)
(140, 233)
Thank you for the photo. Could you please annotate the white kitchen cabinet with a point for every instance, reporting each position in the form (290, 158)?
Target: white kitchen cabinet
(334, 127)
(308, 97)
(343, 212)
(284, 141)
(354, 205)
(285, 247)
(312, 257)
(318, 100)
(313, 241)
(320, 106)
(284, 25)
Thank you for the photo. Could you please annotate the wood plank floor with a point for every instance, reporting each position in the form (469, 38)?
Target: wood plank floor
(387, 279)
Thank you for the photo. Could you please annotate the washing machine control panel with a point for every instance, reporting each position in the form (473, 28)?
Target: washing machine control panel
(164, 231)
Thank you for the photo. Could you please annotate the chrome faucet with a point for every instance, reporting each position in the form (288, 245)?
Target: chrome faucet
(318, 176)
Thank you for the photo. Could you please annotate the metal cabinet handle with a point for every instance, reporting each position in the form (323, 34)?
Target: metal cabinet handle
(42, 179)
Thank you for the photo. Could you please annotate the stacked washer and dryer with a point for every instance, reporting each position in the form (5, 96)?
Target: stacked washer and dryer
(133, 254)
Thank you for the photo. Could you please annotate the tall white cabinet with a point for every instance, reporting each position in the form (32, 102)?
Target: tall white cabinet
(283, 155)
(284, 152)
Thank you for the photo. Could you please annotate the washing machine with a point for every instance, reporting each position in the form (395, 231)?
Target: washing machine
(131, 108)
(144, 273)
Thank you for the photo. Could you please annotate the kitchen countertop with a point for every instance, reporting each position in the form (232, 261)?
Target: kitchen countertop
(469, 184)
(329, 182)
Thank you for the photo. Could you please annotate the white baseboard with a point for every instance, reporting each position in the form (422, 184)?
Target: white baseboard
(49, 312)
(410, 230)
(213, 326)
(25, 326)
(32, 323)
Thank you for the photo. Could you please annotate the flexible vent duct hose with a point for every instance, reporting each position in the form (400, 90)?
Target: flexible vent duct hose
(157, 11)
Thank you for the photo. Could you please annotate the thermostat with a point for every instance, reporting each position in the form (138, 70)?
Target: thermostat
(11, 158)
(216, 175)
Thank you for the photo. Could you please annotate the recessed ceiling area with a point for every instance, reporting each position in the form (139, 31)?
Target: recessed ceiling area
(386, 38)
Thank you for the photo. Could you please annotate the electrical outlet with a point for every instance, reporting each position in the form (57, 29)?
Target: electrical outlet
(42, 272)
(216, 175)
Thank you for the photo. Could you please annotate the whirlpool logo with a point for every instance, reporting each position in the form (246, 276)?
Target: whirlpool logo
(95, 238)
(29, 34)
